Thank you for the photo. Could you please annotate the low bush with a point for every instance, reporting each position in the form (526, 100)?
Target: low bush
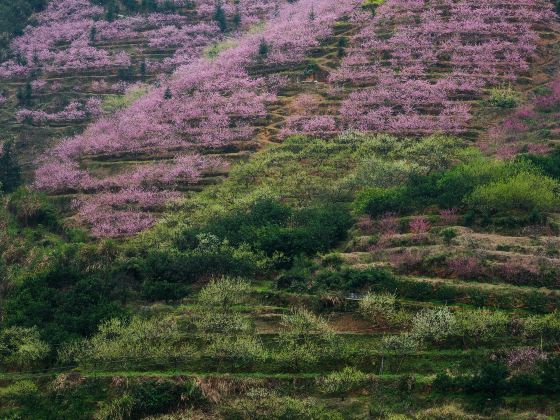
(503, 97)
(347, 380)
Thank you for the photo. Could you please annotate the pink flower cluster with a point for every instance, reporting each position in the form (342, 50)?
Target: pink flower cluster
(74, 111)
(419, 60)
(70, 35)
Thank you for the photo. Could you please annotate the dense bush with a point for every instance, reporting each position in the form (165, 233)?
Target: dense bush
(376, 201)
(504, 97)
(525, 191)
(21, 347)
(63, 301)
(549, 164)
(479, 183)
(31, 208)
(275, 228)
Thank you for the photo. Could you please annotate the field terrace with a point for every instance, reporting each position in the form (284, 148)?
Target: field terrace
(73, 60)
(321, 71)
(209, 105)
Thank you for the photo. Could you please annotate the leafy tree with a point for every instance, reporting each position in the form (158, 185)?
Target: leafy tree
(305, 339)
(376, 201)
(155, 340)
(143, 69)
(31, 208)
(380, 309)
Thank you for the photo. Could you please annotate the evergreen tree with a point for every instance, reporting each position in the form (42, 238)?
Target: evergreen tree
(263, 49)
(220, 17)
(236, 18)
(20, 96)
(167, 94)
(92, 34)
(342, 44)
(28, 93)
(10, 172)
(143, 69)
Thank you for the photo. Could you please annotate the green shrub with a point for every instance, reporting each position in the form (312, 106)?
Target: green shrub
(263, 404)
(525, 191)
(31, 208)
(448, 235)
(344, 381)
(376, 201)
(274, 228)
(463, 179)
(63, 301)
(549, 164)
(380, 309)
(138, 341)
(21, 347)
(160, 396)
(433, 325)
(504, 97)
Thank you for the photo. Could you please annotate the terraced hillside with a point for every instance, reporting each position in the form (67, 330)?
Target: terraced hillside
(323, 210)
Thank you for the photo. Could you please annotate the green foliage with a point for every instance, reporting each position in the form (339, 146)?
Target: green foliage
(376, 201)
(112, 103)
(304, 339)
(262, 404)
(549, 164)
(448, 235)
(525, 191)
(10, 171)
(62, 300)
(220, 17)
(480, 326)
(344, 381)
(263, 49)
(229, 335)
(160, 396)
(152, 341)
(117, 409)
(223, 293)
(380, 309)
(215, 49)
(31, 208)
(433, 325)
(504, 97)
(277, 230)
(545, 326)
(168, 273)
(20, 392)
(21, 347)
(14, 16)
